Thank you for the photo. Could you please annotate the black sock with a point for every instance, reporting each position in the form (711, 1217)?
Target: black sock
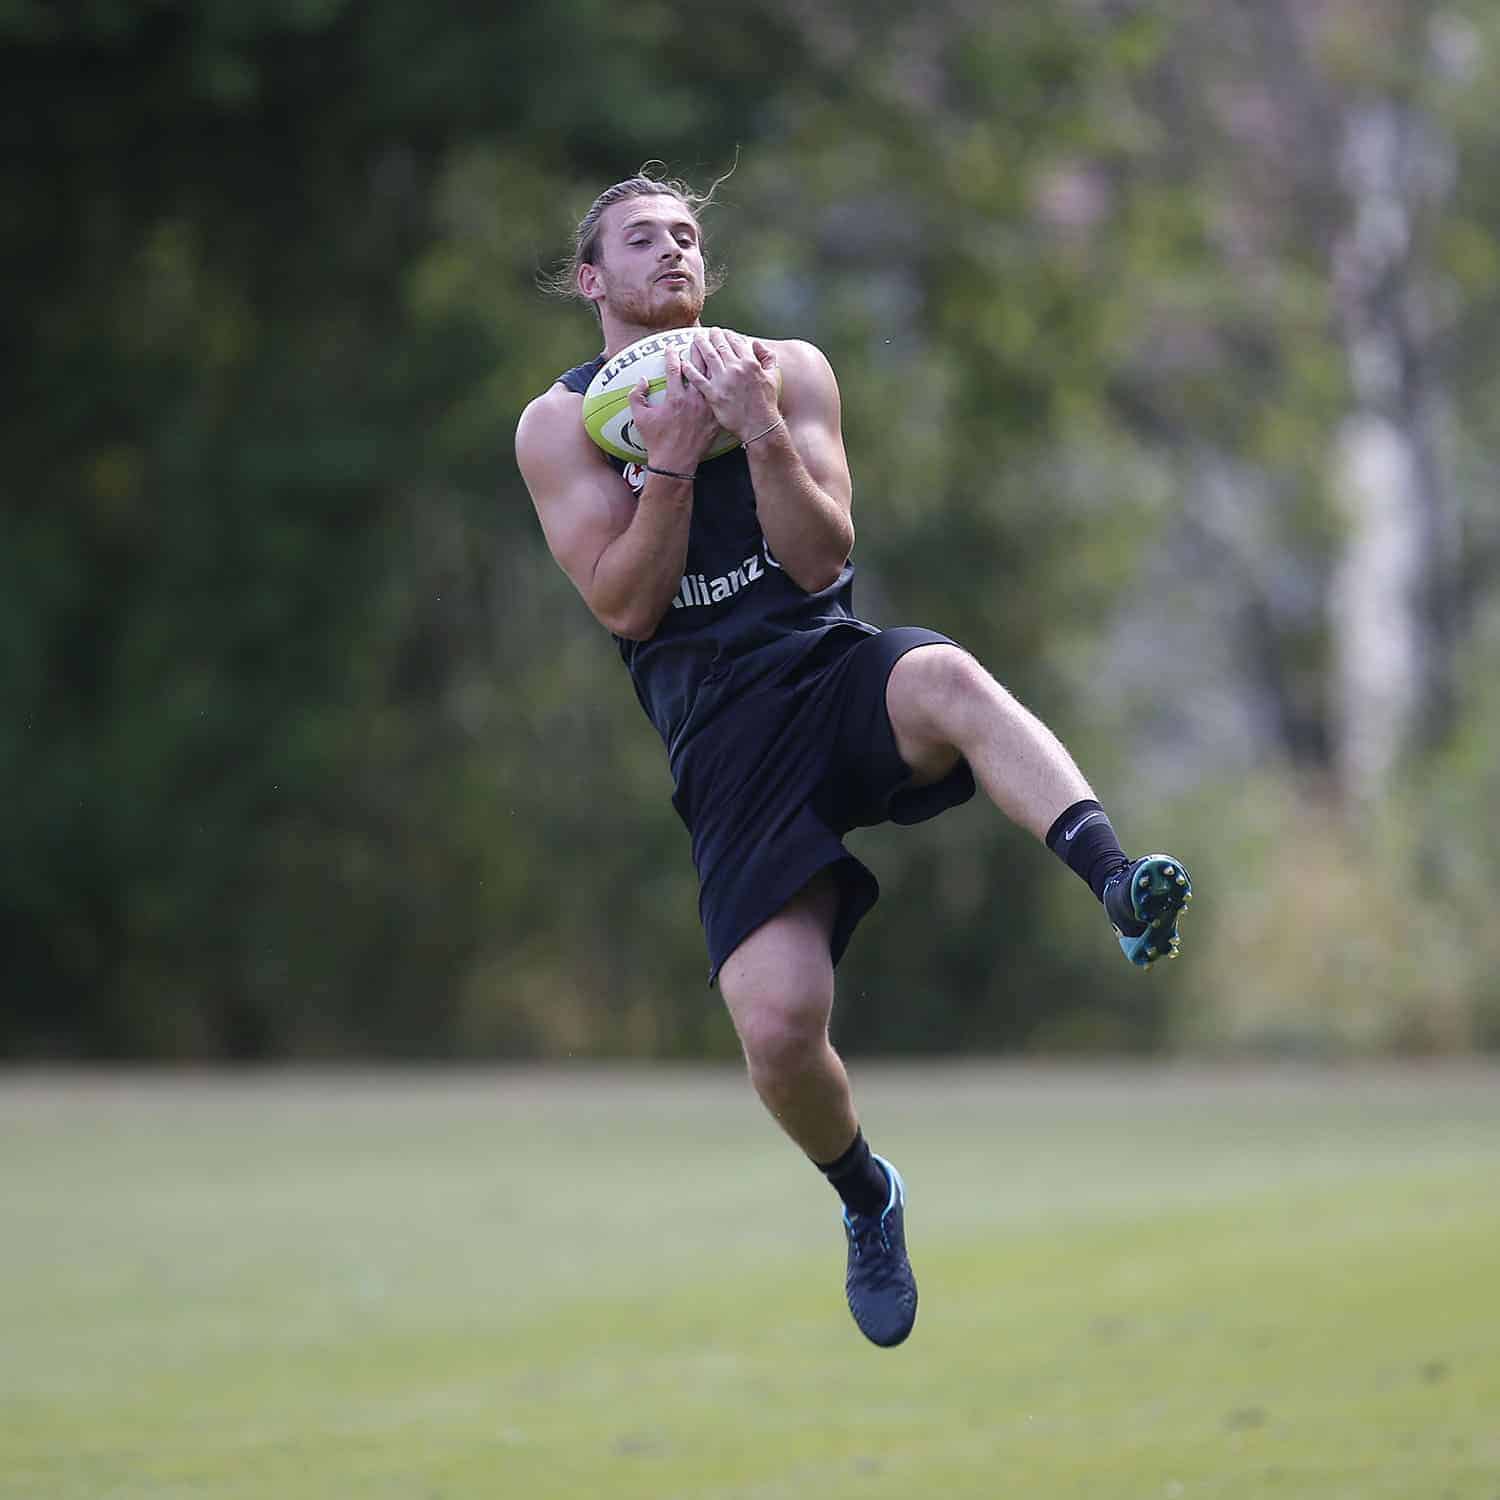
(1084, 841)
(859, 1179)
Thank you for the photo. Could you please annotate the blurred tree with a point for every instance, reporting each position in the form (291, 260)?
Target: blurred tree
(309, 748)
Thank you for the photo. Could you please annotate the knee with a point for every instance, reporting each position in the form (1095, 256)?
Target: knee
(782, 1035)
(958, 678)
(939, 700)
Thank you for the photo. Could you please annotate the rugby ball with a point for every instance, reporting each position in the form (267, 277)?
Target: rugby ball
(606, 403)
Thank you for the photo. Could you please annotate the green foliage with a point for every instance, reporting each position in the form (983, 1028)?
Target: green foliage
(310, 748)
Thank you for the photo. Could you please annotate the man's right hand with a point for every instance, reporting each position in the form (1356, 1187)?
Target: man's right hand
(678, 430)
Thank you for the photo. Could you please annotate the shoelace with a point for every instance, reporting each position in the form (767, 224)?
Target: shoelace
(865, 1229)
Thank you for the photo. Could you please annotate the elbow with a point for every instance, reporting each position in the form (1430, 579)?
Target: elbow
(824, 572)
(815, 583)
(624, 612)
(630, 625)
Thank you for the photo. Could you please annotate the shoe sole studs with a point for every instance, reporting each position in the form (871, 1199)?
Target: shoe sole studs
(1167, 888)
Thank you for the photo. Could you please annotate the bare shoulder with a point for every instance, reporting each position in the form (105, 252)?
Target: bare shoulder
(800, 360)
(808, 386)
(582, 502)
(553, 419)
(554, 451)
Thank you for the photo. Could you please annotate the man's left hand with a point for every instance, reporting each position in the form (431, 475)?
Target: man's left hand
(739, 379)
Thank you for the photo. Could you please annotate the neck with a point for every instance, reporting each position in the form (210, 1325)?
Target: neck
(621, 335)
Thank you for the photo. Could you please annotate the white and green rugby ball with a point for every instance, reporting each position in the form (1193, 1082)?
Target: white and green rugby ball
(606, 403)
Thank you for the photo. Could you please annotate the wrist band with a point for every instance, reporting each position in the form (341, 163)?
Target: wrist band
(671, 473)
(759, 435)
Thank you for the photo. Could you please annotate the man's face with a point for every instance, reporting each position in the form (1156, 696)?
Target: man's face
(648, 269)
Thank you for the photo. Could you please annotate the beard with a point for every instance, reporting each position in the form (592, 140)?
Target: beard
(655, 307)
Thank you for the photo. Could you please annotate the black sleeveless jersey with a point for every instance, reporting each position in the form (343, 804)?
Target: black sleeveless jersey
(738, 622)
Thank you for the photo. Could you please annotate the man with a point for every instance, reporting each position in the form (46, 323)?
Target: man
(787, 720)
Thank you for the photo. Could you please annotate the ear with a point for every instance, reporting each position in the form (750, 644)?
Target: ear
(591, 282)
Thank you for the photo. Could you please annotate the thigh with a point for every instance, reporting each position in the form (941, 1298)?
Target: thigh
(786, 964)
(924, 695)
(883, 768)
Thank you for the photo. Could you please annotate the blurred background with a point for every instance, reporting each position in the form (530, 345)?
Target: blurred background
(1165, 334)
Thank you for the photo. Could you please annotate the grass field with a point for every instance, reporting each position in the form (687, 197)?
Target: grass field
(1153, 1285)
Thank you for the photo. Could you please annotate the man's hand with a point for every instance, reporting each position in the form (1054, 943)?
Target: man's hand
(737, 379)
(678, 430)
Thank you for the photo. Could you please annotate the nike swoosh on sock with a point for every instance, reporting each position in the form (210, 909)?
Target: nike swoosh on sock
(1087, 818)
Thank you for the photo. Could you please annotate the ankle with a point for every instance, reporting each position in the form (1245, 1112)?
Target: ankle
(1085, 840)
(858, 1178)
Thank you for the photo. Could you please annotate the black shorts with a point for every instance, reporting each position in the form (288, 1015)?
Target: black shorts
(770, 786)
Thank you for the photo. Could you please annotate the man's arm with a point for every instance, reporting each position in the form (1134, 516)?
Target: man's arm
(625, 557)
(803, 492)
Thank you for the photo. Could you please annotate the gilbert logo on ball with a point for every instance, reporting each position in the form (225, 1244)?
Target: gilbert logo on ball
(606, 403)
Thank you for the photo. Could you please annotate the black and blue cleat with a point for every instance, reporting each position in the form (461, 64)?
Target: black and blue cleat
(879, 1283)
(1145, 901)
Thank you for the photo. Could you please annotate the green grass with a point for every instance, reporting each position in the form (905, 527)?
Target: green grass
(1161, 1284)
